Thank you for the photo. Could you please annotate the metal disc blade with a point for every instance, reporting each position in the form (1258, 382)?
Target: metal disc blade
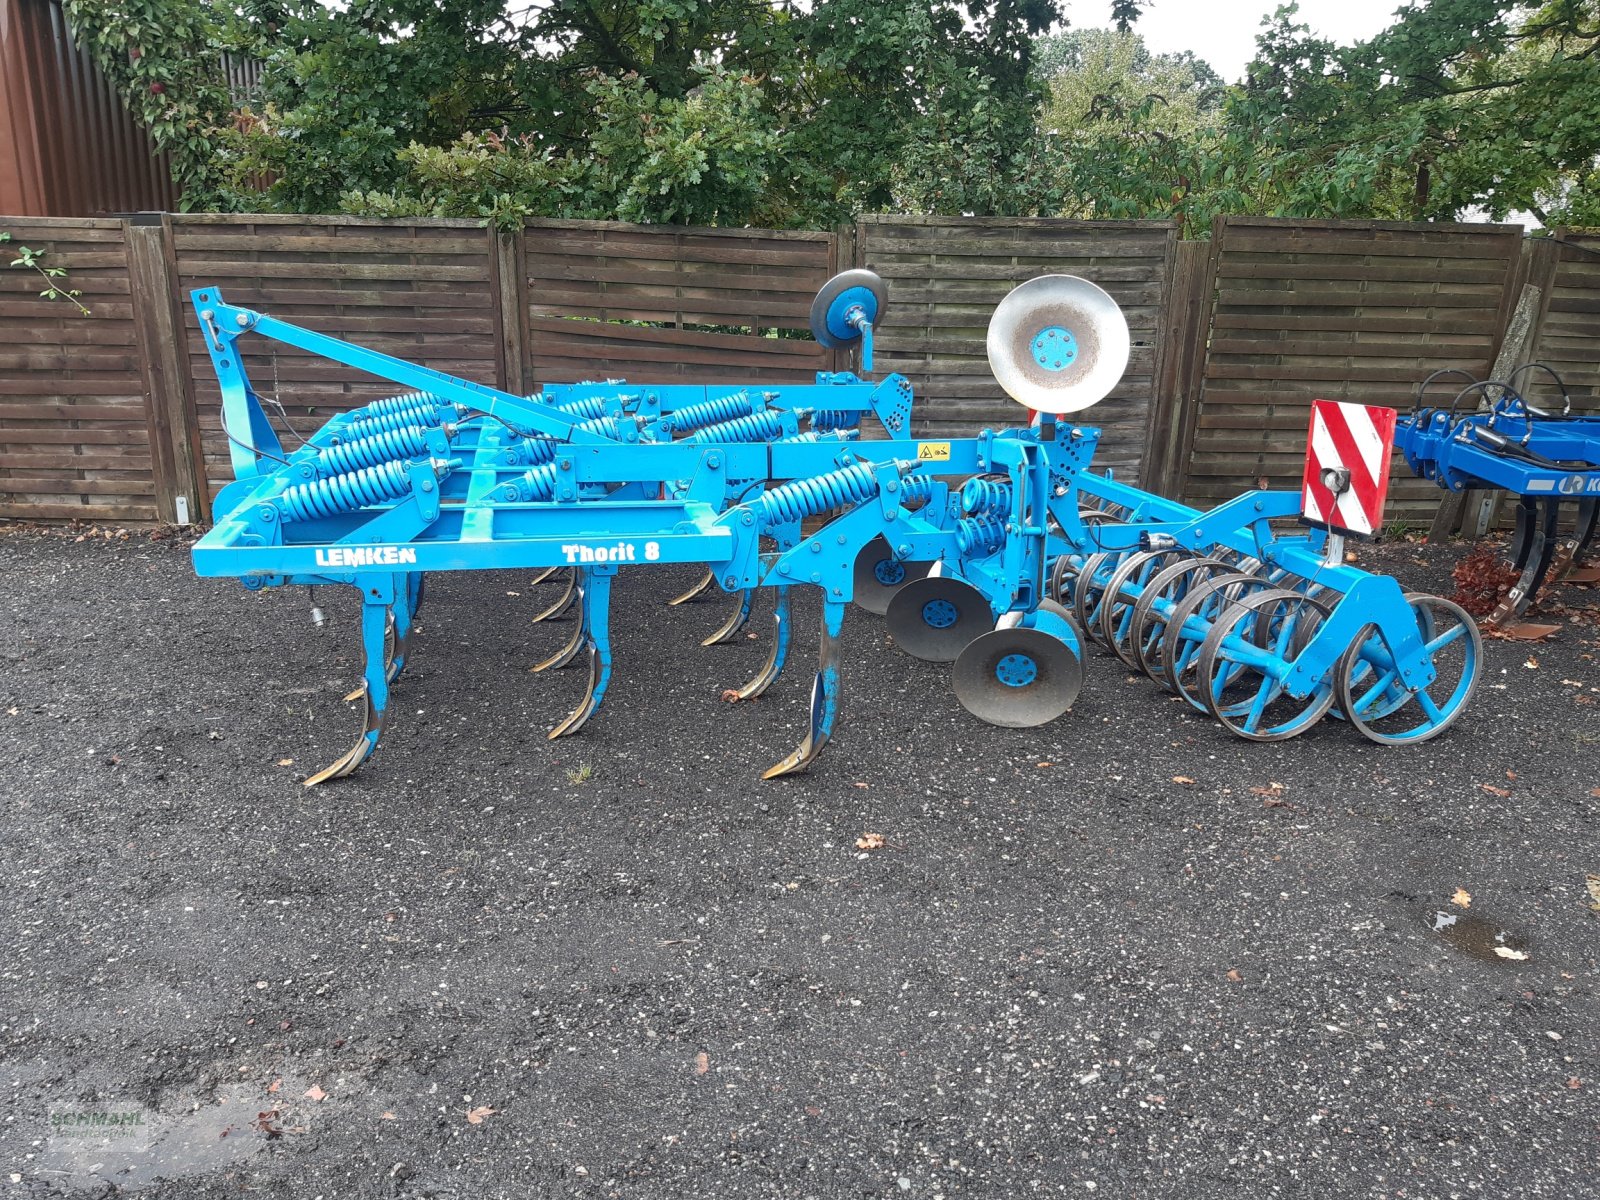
(934, 618)
(837, 296)
(879, 575)
(1058, 344)
(1017, 678)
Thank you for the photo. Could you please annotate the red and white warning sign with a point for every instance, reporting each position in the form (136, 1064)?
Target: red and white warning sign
(1347, 466)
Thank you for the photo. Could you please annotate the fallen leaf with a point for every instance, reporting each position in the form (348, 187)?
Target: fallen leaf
(1234, 975)
(1592, 882)
(286, 762)
(1181, 779)
(813, 1110)
(731, 695)
(1574, 1083)
(1510, 774)
(1272, 789)
(315, 1093)
(274, 1085)
(1532, 664)
(475, 1116)
(387, 1116)
(870, 841)
(858, 783)
(1508, 952)
(1494, 791)
(1462, 898)
(702, 1063)
(1035, 764)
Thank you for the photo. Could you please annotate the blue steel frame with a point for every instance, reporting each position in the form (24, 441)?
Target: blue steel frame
(616, 497)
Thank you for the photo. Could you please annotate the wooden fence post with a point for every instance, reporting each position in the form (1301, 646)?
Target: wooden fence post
(1473, 510)
(510, 288)
(182, 493)
(1175, 404)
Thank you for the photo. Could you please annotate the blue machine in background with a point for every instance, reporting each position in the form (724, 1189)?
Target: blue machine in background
(1003, 553)
(1546, 459)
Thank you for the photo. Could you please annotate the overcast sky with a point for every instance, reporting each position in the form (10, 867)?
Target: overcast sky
(1223, 32)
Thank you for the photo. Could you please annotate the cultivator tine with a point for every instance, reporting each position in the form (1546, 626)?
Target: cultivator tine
(389, 672)
(375, 626)
(773, 667)
(402, 619)
(543, 575)
(696, 591)
(1535, 553)
(564, 602)
(824, 697)
(730, 628)
(596, 621)
(564, 656)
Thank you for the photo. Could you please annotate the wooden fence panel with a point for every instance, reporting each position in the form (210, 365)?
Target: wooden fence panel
(423, 290)
(945, 276)
(74, 426)
(1351, 310)
(673, 305)
(1569, 334)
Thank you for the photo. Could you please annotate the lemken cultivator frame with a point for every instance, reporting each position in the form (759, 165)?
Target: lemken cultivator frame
(1002, 553)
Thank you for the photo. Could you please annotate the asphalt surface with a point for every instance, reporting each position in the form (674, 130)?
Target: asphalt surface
(1064, 973)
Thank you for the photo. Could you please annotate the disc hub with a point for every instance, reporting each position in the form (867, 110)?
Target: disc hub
(889, 572)
(1054, 348)
(1016, 670)
(940, 614)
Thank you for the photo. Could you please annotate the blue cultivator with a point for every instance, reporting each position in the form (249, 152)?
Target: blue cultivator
(1500, 440)
(999, 553)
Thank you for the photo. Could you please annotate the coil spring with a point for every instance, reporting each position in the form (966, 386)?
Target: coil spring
(694, 417)
(916, 489)
(811, 436)
(420, 412)
(757, 427)
(982, 496)
(585, 407)
(345, 492)
(825, 420)
(981, 535)
(539, 483)
(404, 403)
(368, 450)
(803, 498)
(609, 427)
(535, 451)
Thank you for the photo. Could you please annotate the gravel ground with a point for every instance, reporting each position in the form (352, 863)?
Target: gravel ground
(1123, 955)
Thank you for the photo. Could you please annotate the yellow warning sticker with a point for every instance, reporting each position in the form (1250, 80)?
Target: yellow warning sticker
(933, 451)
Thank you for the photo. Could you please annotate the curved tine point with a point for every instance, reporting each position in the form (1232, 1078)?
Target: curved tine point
(802, 757)
(698, 589)
(566, 654)
(352, 758)
(561, 605)
(586, 707)
(762, 679)
(730, 628)
(543, 575)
